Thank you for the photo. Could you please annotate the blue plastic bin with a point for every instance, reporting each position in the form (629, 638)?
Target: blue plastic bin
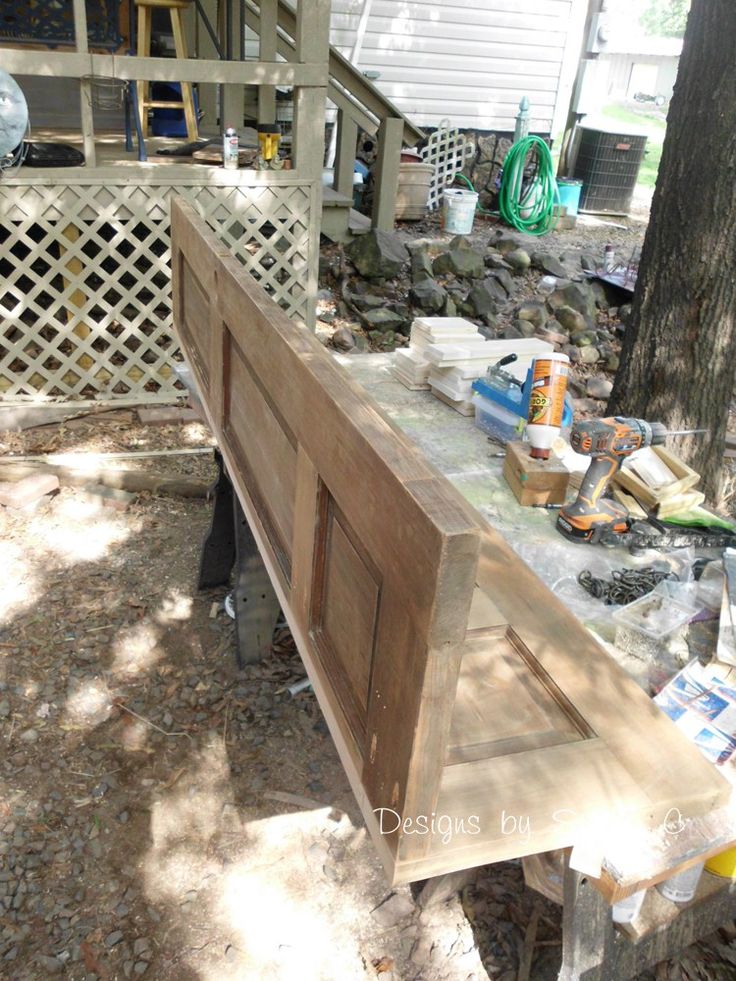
(570, 191)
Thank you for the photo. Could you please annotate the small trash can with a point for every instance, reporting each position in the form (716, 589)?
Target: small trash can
(570, 191)
(458, 210)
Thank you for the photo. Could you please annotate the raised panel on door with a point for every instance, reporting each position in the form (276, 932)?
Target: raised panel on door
(344, 611)
(264, 447)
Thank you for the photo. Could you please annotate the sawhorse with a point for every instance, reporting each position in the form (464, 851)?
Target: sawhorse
(229, 542)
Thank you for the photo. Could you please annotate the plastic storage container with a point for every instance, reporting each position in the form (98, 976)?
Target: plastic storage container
(495, 420)
(458, 211)
(608, 165)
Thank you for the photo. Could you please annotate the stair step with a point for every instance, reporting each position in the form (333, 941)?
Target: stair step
(331, 199)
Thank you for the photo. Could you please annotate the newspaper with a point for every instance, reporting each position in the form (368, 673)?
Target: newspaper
(703, 706)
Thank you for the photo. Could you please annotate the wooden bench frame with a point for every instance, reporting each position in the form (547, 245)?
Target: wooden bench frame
(476, 718)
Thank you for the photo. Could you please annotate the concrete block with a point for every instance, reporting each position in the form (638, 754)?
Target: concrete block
(19, 493)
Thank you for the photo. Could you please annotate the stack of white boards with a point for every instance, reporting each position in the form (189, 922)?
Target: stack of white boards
(454, 367)
(411, 365)
(446, 355)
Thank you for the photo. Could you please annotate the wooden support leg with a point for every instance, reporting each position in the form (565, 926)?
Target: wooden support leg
(593, 950)
(187, 96)
(386, 187)
(144, 51)
(587, 931)
(256, 604)
(218, 549)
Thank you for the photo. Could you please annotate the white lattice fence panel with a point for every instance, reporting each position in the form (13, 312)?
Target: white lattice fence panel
(446, 150)
(85, 279)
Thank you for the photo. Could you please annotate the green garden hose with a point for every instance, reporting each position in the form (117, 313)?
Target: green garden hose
(535, 215)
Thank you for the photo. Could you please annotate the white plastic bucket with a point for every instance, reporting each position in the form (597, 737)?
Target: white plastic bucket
(458, 210)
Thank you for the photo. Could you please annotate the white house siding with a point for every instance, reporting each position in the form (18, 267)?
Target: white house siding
(469, 60)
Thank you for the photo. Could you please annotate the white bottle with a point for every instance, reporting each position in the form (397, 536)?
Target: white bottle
(546, 402)
(230, 149)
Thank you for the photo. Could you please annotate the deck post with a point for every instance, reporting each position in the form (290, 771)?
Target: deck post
(85, 88)
(347, 138)
(312, 47)
(267, 43)
(387, 173)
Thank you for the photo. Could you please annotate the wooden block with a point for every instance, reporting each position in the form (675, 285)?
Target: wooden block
(167, 415)
(106, 497)
(686, 479)
(18, 494)
(535, 483)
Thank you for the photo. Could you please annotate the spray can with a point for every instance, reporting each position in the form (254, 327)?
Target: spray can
(546, 402)
(681, 888)
(230, 149)
(609, 258)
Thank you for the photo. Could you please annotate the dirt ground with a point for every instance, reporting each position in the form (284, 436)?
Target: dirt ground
(163, 814)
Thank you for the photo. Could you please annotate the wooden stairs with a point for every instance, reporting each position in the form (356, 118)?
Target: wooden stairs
(340, 220)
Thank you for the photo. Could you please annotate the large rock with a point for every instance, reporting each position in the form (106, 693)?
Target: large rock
(532, 311)
(428, 295)
(572, 320)
(599, 388)
(378, 254)
(505, 279)
(589, 355)
(519, 261)
(459, 261)
(483, 298)
(525, 328)
(343, 339)
(600, 294)
(588, 262)
(583, 338)
(579, 296)
(384, 319)
(548, 263)
(494, 260)
(367, 301)
(504, 243)
(624, 314)
(421, 265)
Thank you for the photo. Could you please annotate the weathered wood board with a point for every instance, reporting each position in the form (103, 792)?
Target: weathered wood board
(476, 718)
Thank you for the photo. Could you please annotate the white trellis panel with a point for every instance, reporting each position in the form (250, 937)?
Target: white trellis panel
(85, 281)
(446, 150)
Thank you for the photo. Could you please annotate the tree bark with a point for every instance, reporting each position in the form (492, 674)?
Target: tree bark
(678, 361)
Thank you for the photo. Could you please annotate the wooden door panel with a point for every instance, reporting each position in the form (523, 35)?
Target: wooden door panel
(265, 449)
(453, 682)
(345, 604)
(506, 703)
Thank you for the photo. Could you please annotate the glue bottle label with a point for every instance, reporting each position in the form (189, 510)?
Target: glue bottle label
(547, 399)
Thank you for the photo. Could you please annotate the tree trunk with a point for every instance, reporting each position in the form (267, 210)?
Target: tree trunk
(678, 362)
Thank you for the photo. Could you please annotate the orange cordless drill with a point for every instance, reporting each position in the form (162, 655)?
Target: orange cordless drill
(608, 442)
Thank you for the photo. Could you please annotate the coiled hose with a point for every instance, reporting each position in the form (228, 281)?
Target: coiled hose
(535, 214)
(531, 211)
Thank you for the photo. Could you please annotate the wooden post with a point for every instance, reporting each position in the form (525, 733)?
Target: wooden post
(267, 42)
(347, 138)
(207, 90)
(233, 96)
(387, 173)
(312, 47)
(85, 93)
